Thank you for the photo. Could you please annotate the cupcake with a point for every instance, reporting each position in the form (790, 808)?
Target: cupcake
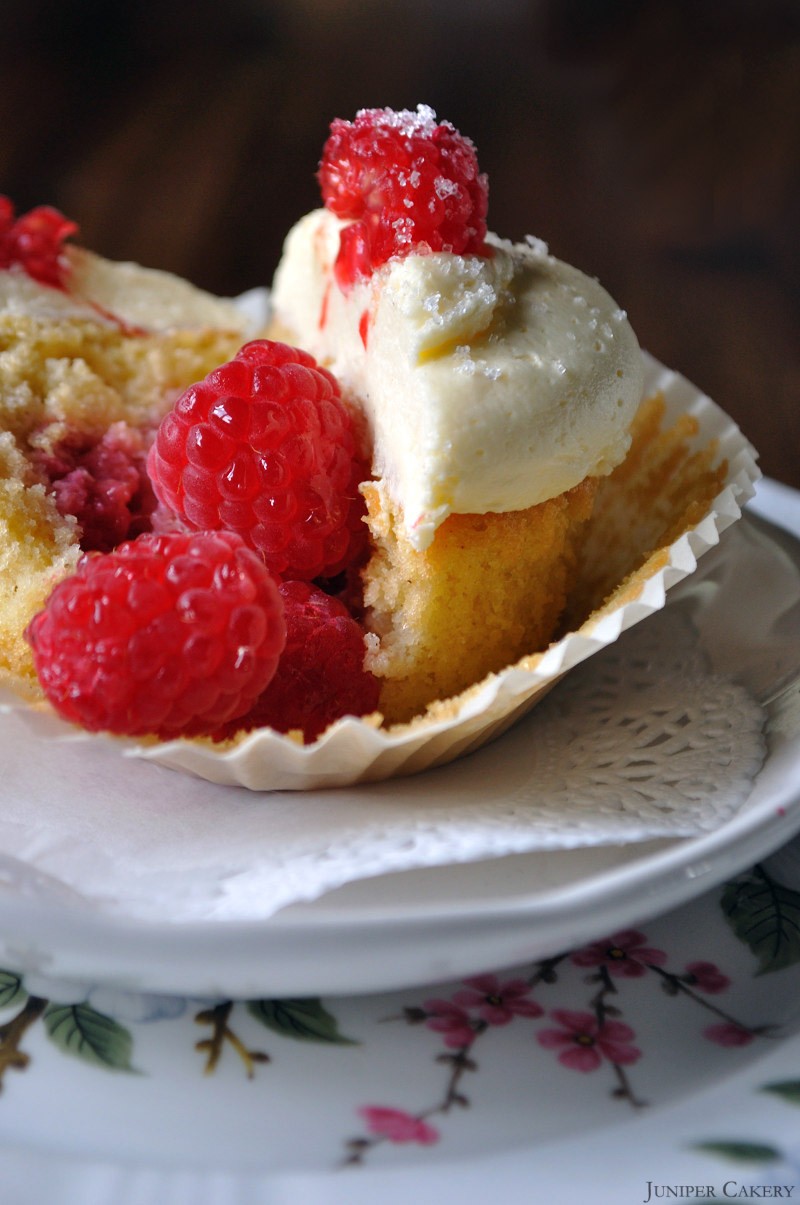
(498, 386)
(364, 544)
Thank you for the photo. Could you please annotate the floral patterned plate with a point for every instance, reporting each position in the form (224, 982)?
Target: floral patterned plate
(589, 1049)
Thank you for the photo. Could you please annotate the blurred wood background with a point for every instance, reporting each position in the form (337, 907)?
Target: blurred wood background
(654, 143)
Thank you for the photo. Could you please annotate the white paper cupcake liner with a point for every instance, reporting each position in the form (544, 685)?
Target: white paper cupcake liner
(354, 751)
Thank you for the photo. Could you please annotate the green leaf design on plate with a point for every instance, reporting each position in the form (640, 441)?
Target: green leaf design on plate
(765, 915)
(742, 1152)
(79, 1030)
(787, 1089)
(11, 990)
(303, 1019)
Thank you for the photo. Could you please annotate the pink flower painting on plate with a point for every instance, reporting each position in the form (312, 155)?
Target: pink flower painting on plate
(398, 1126)
(497, 1002)
(452, 1021)
(729, 1033)
(583, 1043)
(707, 977)
(624, 954)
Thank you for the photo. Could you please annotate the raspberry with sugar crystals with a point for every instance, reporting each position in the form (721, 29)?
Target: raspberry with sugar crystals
(408, 182)
(172, 635)
(321, 674)
(265, 447)
(34, 241)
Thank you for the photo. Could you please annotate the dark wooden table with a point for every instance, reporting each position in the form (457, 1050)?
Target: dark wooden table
(654, 143)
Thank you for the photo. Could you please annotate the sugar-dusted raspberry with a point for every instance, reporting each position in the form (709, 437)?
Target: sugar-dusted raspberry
(103, 483)
(408, 182)
(265, 447)
(321, 674)
(172, 634)
(35, 242)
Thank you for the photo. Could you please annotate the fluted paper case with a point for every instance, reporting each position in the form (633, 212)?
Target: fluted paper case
(689, 472)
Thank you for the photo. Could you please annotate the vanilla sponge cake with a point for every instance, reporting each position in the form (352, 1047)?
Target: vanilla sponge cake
(96, 363)
(486, 590)
(498, 389)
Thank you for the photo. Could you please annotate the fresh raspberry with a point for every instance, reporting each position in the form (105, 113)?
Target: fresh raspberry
(321, 674)
(409, 184)
(35, 241)
(103, 483)
(265, 447)
(172, 635)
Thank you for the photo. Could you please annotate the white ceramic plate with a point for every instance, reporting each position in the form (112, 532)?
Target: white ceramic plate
(415, 927)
